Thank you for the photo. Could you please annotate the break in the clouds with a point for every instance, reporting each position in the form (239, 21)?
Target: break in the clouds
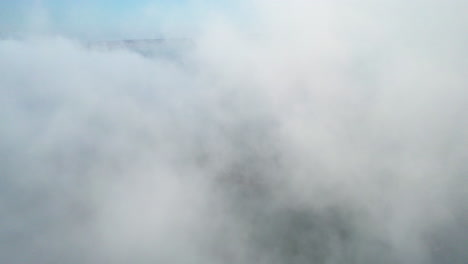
(99, 20)
(317, 132)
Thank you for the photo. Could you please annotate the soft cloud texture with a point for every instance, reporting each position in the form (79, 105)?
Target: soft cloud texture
(322, 132)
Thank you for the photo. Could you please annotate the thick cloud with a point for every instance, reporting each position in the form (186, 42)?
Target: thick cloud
(321, 132)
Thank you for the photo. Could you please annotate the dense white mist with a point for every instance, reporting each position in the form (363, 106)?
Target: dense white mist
(317, 132)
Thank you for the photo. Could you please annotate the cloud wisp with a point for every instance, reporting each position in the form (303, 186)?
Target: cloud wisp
(325, 132)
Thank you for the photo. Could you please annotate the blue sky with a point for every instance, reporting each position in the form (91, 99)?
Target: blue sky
(103, 18)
